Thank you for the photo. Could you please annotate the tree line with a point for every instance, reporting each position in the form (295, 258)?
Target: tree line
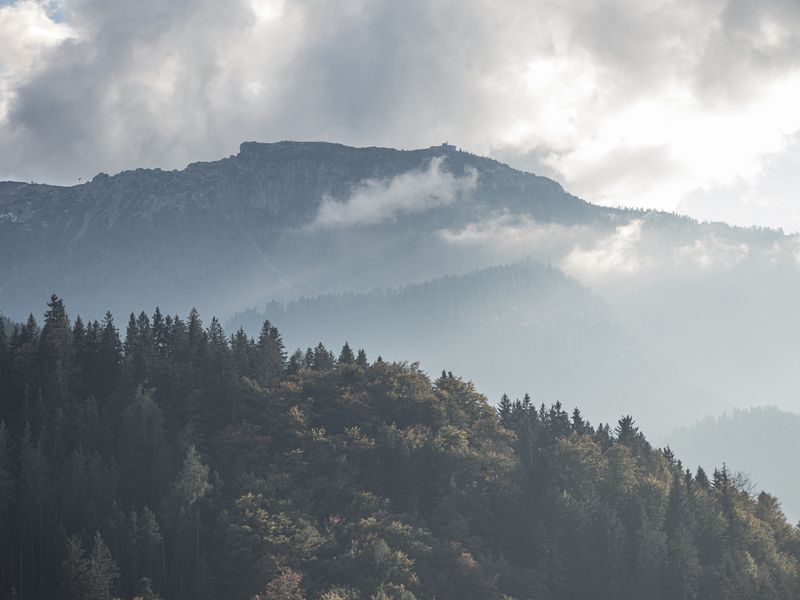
(176, 461)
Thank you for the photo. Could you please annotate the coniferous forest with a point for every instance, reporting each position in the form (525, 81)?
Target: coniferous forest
(164, 457)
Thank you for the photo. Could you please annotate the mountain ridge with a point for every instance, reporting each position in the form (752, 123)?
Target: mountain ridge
(225, 216)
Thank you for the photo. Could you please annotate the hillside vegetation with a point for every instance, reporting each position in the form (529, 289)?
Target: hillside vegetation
(527, 319)
(760, 442)
(178, 461)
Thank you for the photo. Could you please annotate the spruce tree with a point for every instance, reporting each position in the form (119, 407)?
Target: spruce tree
(75, 571)
(103, 571)
(5, 367)
(504, 409)
(323, 358)
(269, 355)
(160, 332)
(346, 356)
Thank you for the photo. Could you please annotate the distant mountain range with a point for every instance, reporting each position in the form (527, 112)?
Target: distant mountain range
(686, 318)
(239, 231)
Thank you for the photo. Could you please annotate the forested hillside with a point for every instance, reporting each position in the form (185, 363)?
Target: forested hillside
(175, 460)
(316, 226)
(759, 441)
(527, 318)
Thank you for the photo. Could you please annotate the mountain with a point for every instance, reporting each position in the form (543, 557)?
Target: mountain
(512, 326)
(175, 462)
(713, 305)
(217, 232)
(761, 442)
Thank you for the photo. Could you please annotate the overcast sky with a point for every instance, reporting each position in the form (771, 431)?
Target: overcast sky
(675, 104)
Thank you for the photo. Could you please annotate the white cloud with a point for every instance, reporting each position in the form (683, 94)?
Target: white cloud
(625, 102)
(616, 253)
(588, 253)
(509, 238)
(375, 201)
(635, 250)
(28, 35)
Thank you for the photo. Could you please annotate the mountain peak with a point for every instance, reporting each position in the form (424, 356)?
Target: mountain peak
(231, 217)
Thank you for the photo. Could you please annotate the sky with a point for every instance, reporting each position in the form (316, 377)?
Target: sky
(679, 105)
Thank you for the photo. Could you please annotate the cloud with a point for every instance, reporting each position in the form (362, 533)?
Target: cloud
(637, 251)
(375, 201)
(28, 36)
(616, 253)
(624, 102)
(586, 252)
(510, 238)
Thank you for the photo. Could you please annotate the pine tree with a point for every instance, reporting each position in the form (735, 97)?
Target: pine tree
(35, 478)
(6, 474)
(504, 410)
(702, 479)
(103, 571)
(195, 334)
(56, 328)
(108, 359)
(160, 333)
(346, 356)
(270, 354)
(143, 449)
(579, 425)
(150, 546)
(25, 377)
(323, 358)
(6, 500)
(192, 483)
(361, 359)
(296, 362)
(75, 571)
(5, 368)
(242, 351)
(82, 358)
(189, 488)
(626, 431)
(56, 352)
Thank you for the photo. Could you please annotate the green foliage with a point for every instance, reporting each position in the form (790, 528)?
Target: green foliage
(89, 577)
(197, 466)
(192, 482)
(287, 585)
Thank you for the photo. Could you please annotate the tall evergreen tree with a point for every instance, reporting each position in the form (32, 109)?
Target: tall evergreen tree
(346, 356)
(270, 354)
(103, 571)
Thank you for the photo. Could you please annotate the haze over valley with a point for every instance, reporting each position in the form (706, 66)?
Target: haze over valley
(624, 298)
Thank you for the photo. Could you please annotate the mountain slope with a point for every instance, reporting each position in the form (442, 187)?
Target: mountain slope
(509, 327)
(289, 220)
(222, 222)
(760, 442)
(179, 462)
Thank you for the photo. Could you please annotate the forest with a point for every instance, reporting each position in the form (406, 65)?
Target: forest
(165, 458)
(523, 327)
